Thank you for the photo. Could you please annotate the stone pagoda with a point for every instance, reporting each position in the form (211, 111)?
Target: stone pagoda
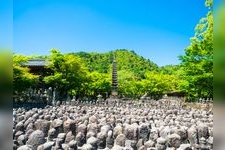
(114, 79)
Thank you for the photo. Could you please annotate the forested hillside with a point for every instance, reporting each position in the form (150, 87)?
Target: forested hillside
(88, 74)
(126, 60)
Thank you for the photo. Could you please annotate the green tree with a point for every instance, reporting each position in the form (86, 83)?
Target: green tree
(158, 84)
(22, 78)
(126, 60)
(69, 73)
(98, 83)
(170, 69)
(126, 81)
(198, 59)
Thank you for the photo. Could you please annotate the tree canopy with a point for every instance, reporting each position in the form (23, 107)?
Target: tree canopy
(126, 60)
(69, 72)
(198, 59)
(22, 78)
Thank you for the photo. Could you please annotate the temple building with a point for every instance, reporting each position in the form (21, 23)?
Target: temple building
(38, 67)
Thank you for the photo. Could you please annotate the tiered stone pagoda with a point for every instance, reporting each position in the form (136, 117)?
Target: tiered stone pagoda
(114, 79)
(113, 100)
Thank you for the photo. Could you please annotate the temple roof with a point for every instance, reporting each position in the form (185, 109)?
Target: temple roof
(36, 62)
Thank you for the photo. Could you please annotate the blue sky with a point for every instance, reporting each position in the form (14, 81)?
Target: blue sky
(158, 30)
(6, 24)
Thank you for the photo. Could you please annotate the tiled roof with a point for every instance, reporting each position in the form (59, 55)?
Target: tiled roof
(36, 62)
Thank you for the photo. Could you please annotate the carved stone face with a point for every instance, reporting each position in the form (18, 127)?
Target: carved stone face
(202, 141)
(153, 135)
(59, 141)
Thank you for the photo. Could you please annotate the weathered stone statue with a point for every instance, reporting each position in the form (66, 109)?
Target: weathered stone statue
(49, 95)
(73, 101)
(99, 99)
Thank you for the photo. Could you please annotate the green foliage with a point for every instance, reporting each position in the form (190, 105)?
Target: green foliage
(38, 57)
(69, 74)
(127, 83)
(98, 83)
(68, 70)
(130, 61)
(170, 69)
(198, 59)
(126, 60)
(96, 61)
(22, 78)
(158, 83)
(154, 83)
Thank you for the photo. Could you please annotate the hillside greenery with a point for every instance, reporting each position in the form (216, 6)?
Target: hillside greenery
(126, 60)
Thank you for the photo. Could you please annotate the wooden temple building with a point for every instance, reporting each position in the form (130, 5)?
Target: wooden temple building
(38, 67)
